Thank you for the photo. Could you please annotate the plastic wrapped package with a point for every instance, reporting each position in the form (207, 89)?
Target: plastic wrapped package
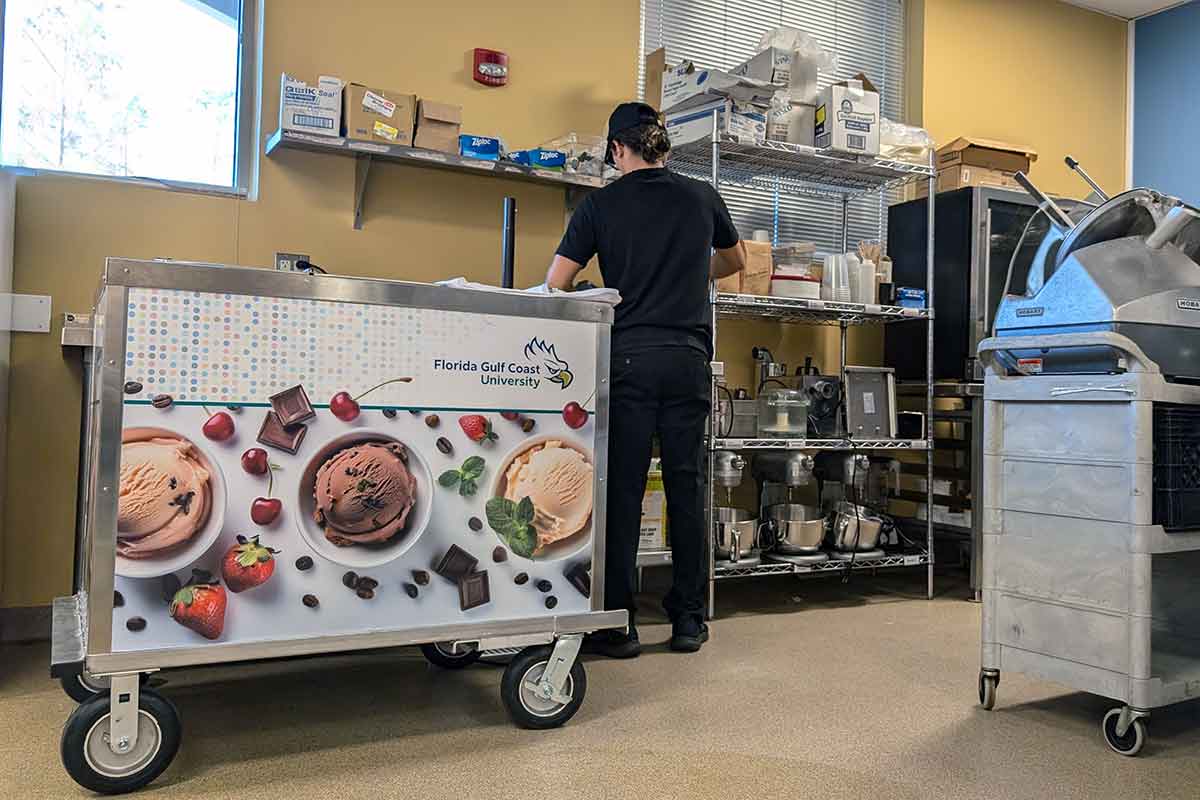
(585, 154)
(809, 58)
(907, 143)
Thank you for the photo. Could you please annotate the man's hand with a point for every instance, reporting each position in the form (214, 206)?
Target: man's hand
(562, 272)
(728, 261)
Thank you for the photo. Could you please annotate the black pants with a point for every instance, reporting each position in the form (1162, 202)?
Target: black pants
(665, 392)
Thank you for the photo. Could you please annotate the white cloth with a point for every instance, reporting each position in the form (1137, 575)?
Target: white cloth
(608, 296)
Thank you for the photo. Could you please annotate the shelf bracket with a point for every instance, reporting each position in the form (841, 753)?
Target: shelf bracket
(362, 170)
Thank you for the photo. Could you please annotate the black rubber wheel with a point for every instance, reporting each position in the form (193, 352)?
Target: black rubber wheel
(1132, 742)
(987, 690)
(441, 655)
(526, 708)
(81, 687)
(92, 764)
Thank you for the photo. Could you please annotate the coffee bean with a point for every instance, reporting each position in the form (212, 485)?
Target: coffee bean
(544, 585)
(551, 601)
(433, 420)
(414, 411)
(521, 579)
(499, 555)
(350, 580)
(511, 416)
(411, 590)
(475, 524)
(443, 444)
(135, 624)
(234, 409)
(118, 599)
(365, 594)
(162, 401)
(390, 413)
(169, 585)
(366, 583)
(527, 424)
(421, 577)
(132, 387)
(310, 600)
(304, 563)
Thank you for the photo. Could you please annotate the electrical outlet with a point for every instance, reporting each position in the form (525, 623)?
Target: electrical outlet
(287, 261)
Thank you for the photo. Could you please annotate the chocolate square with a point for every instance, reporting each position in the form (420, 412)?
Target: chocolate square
(274, 434)
(456, 564)
(579, 577)
(474, 590)
(292, 406)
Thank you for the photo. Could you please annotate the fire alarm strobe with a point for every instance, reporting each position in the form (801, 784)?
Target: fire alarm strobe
(491, 67)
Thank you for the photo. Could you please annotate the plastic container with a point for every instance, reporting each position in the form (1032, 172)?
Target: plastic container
(804, 286)
(866, 283)
(783, 414)
(585, 154)
(853, 273)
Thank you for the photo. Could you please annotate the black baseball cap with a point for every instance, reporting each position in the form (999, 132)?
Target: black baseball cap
(626, 116)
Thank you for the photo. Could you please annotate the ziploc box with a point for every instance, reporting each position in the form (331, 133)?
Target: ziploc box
(538, 158)
(487, 148)
(379, 115)
(847, 117)
(747, 122)
(314, 108)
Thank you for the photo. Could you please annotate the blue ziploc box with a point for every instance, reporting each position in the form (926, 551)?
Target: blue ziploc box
(518, 157)
(486, 148)
(547, 159)
(910, 298)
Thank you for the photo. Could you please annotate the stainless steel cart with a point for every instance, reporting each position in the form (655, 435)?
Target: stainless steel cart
(170, 338)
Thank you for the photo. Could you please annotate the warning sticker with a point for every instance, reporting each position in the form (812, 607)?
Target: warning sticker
(378, 104)
(386, 131)
(1029, 366)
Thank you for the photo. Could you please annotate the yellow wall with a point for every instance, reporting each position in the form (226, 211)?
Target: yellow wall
(1036, 72)
(568, 67)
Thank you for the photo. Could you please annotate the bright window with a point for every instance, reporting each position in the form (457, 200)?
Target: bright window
(126, 88)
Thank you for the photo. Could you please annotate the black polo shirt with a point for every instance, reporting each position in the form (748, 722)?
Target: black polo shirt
(653, 231)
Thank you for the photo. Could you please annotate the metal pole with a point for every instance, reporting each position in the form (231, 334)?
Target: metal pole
(843, 327)
(508, 242)
(931, 205)
(845, 223)
(712, 399)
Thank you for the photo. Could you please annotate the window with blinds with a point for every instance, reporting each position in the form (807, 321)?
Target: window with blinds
(868, 37)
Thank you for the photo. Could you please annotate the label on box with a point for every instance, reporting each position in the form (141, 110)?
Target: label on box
(386, 131)
(315, 109)
(380, 105)
(1030, 366)
(868, 402)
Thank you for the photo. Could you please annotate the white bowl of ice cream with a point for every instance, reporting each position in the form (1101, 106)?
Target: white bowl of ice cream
(364, 498)
(171, 503)
(558, 476)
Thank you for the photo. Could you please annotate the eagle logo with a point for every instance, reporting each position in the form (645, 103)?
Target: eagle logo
(558, 370)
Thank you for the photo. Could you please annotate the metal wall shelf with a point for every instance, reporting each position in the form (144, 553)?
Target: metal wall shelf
(796, 168)
(769, 567)
(819, 444)
(813, 312)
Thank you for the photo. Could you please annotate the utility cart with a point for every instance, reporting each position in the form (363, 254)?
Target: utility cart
(281, 464)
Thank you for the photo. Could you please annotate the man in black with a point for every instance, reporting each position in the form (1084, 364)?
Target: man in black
(655, 233)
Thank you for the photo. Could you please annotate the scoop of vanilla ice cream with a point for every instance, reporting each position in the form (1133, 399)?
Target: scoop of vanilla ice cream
(153, 473)
(558, 480)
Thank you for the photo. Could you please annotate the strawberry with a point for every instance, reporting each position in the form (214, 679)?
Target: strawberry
(247, 564)
(200, 606)
(477, 427)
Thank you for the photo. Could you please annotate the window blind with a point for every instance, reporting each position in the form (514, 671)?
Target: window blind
(868, 37)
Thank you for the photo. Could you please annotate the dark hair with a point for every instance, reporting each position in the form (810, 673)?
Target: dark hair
(648, 141)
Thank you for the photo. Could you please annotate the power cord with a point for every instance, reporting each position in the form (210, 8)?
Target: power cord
(729, 422)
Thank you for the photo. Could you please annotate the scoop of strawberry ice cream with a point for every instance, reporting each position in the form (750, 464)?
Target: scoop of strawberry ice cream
(165, 496)
(364, 493)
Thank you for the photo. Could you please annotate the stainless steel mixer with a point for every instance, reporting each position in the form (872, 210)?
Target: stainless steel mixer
(792, 527)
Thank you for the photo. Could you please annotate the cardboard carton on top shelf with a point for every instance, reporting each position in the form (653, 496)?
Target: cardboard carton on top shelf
(847, 117)
(989, 153)
(687, 85)
(313, 107)
(438, 126)
(379, 115)
(747, 122)
(773, 65)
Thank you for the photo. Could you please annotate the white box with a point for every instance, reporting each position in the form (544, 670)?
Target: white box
(747, 122)
(847, 117)
(773, 65)
(309, 108)
(687, 86)
(652, 535)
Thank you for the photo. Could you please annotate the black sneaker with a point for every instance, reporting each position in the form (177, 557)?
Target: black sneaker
(688, 634)
(613, 643)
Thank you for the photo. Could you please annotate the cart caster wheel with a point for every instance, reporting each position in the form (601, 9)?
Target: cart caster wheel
(81, 687)
(527, 707)
(441, 655)
(987, 690)
(94, 765)
(1132, 742)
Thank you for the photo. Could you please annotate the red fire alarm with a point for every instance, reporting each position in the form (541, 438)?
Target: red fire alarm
(491, 67)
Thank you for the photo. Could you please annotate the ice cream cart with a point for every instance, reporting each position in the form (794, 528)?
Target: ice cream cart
(283, 464)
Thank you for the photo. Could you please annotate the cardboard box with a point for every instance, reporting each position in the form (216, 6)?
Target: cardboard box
(994, 155)
(744, 121)
(438, 126)
(379, 115)
(687, 86)
(730, 284)
(656, 66)
(847, 118)
(756, 279)
(486, 148)
(773, 65)
(306, 107)
(959, 177)
(653, 531)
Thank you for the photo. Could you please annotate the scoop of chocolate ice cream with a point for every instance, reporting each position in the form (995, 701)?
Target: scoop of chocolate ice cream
(364, 493)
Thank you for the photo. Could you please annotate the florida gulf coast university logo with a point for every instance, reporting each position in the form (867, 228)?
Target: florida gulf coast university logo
(557, 370)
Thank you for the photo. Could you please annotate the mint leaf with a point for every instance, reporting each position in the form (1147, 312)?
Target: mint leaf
(523, 541)
(449, 478)
(524, 511)
(467, 487)
(472, 468)
(500, 512)
(503, 516)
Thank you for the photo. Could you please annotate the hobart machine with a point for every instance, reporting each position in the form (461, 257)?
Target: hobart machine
(1091, 525)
